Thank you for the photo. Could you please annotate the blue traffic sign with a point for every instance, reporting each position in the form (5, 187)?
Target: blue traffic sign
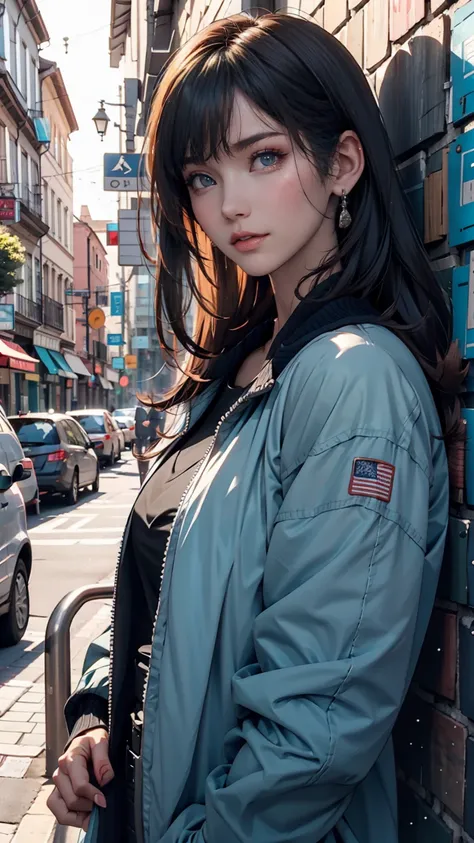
(124, 171)
(116, 304)
(114, 339)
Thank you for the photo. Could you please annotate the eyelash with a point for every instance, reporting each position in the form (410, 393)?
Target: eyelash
(279, 154)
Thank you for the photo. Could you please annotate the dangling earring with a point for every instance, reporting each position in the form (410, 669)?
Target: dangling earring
(345, 218)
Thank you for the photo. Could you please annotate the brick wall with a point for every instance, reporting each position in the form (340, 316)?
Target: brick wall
(404, 48)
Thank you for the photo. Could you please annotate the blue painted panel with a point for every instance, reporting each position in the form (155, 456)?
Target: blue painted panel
(460, 298)
(461, 190)
(468, 415)
(462, 62)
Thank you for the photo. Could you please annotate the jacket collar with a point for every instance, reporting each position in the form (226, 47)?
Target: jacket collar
(310, 319)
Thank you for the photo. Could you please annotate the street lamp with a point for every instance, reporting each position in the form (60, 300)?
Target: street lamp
(101, 120)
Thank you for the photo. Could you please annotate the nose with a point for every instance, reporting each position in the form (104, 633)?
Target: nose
(235, 203)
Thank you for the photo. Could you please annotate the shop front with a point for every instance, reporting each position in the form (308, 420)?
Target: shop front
(80, 386)
(15, 390)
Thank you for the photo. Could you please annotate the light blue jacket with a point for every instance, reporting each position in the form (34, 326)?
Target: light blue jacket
(296, 594)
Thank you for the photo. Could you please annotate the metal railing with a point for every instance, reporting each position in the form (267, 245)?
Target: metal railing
(53, 313)
(30, 198)
(57, 657)
(29, 308)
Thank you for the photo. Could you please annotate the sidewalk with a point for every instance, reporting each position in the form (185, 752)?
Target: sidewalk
(24, 817)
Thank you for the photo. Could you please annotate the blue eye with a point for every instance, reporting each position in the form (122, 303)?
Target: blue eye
(198, 181)
(268, 159)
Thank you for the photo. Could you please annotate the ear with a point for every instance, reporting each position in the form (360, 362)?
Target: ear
(348, 165)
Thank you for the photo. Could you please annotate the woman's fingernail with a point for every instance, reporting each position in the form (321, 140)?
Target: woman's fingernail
(99, 800)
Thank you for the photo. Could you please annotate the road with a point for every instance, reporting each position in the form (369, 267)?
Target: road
(74, 546)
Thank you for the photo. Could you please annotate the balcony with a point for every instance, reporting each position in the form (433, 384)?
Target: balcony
(30, 198)
(53, 313)
(100, 350)
(28, 308)
(69, 324)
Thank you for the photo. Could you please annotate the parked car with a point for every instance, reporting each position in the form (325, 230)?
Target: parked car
(15, 557)
(104, 433)
(62, 453)
(11, 453)
(126, 421)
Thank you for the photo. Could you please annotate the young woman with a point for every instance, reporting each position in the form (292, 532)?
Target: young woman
(279, 567)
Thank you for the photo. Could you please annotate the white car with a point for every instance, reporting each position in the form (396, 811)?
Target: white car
(126, 421)
(11, 453)
(104, 433)
(15, 558)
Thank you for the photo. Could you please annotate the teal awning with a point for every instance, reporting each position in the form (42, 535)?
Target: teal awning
(42, 129)
(46, 359)
(64, 369)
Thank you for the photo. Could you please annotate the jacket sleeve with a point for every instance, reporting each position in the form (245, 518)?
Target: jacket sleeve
(336, 643)
(91, 695)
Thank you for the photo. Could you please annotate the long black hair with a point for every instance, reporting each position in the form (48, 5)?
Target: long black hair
(304, 79)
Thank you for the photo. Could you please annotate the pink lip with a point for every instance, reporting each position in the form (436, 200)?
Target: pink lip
(249, 245)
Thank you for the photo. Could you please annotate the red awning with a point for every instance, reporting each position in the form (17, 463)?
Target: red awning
(87, 364)
(12, 355)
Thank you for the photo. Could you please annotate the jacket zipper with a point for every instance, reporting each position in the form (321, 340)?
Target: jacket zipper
(114, 598)
(241, 400)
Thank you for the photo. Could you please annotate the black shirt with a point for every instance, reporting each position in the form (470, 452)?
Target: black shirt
(158, 502)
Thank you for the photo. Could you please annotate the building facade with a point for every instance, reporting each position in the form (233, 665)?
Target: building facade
(58, 386)
(90, 295)
(22, 31)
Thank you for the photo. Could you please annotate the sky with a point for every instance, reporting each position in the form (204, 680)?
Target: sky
(88, 78)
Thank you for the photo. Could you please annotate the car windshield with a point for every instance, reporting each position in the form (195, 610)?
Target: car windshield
(92, 424)
(35, 431)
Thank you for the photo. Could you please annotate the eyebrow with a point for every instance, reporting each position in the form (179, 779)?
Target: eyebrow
(240, 145)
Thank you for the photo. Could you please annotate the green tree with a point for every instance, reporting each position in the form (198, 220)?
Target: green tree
(12, 256)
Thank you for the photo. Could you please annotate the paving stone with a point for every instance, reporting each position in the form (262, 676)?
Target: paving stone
(32, 697)
(7, 828)
(16, 726)
(13, 768)
(33, 740)
(27, 708)
(16, 796)
(10, 737)
(38, 717)
(39, 805)
(11, 716)
(35, 828)
(19, 750)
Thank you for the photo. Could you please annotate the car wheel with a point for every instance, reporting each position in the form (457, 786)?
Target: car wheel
(111, 459)
(14, 623)
(96, 483)
(119, 455)
(73, 494)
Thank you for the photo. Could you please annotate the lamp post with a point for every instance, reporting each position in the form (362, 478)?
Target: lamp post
(101, 120)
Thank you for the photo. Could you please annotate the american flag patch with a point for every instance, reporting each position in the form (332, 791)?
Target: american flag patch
(372, 479)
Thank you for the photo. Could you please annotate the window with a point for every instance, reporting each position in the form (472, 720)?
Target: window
(45, 202)
(24, 175)
(38, 280)
(53, 213)
(13, 161)
(33, 103)
(35, 188)
(56, 145)
(32, 432)
(13, 49)
(66, 228)
(24, 69)
(29, 276)
(60, 295)
(53, 284)
(93, 423)
(96, 261)
(46, 289)
(60, 220)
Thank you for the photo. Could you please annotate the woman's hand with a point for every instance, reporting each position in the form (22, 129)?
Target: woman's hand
(74, 796)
